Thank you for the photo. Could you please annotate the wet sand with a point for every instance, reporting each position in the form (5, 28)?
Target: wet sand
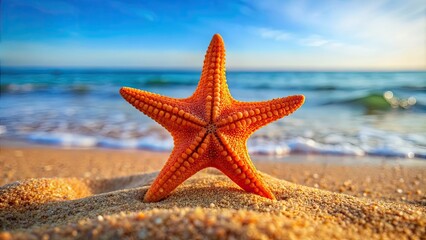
(81, 193)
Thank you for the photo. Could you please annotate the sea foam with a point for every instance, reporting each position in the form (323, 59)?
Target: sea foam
(63, 139)
(256, 146)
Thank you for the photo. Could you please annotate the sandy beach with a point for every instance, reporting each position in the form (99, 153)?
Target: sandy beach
(213, 120)
(96, 193)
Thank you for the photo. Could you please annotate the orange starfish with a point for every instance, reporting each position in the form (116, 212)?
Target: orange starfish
(210, 128)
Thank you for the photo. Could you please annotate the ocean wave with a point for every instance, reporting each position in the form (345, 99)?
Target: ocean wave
(152, 143)
(57, 108)
(170, 82)
(77, 89)
(257, 146)
(63, 139)
(80, 88)
(21, 88)
(413, 88)
(43, 89)
(274, 86)
(381, 102)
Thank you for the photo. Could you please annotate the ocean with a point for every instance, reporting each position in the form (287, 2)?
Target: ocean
(345, 113)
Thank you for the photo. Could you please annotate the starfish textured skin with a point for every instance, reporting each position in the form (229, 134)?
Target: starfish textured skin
(210, 128)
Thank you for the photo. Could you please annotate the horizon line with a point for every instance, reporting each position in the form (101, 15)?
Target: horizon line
(190, 69)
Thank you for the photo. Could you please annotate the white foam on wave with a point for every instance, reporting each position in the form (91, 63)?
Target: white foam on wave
(3, 129)
(301, 145)
(307, 145)
(118, 143)
(392, 146)
(150, 142)
(387, 151)
(389, 144)
(399, 148)
(269, 149)
(63, 139)
(154, 143)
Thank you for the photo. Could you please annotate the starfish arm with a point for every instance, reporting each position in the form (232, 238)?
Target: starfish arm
(238, 166)
(246, 117)
(185, 161)
(171, 113)
(212, 89)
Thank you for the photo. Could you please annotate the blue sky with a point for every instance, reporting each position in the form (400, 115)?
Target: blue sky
(259, 35)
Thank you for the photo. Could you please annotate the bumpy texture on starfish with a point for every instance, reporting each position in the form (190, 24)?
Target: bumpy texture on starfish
(210, 128)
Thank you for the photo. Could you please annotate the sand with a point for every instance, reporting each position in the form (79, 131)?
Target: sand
(97, 194)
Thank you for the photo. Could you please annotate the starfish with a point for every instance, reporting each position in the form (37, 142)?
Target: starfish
(210, 128)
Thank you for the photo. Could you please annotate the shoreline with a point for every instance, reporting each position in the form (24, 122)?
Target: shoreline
(333, 173)
(338, 159)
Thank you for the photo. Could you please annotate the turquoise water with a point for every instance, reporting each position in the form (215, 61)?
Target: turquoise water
(350, 113)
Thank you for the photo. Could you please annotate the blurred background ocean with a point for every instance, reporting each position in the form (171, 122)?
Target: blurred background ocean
(348, 113)
(360, 64)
